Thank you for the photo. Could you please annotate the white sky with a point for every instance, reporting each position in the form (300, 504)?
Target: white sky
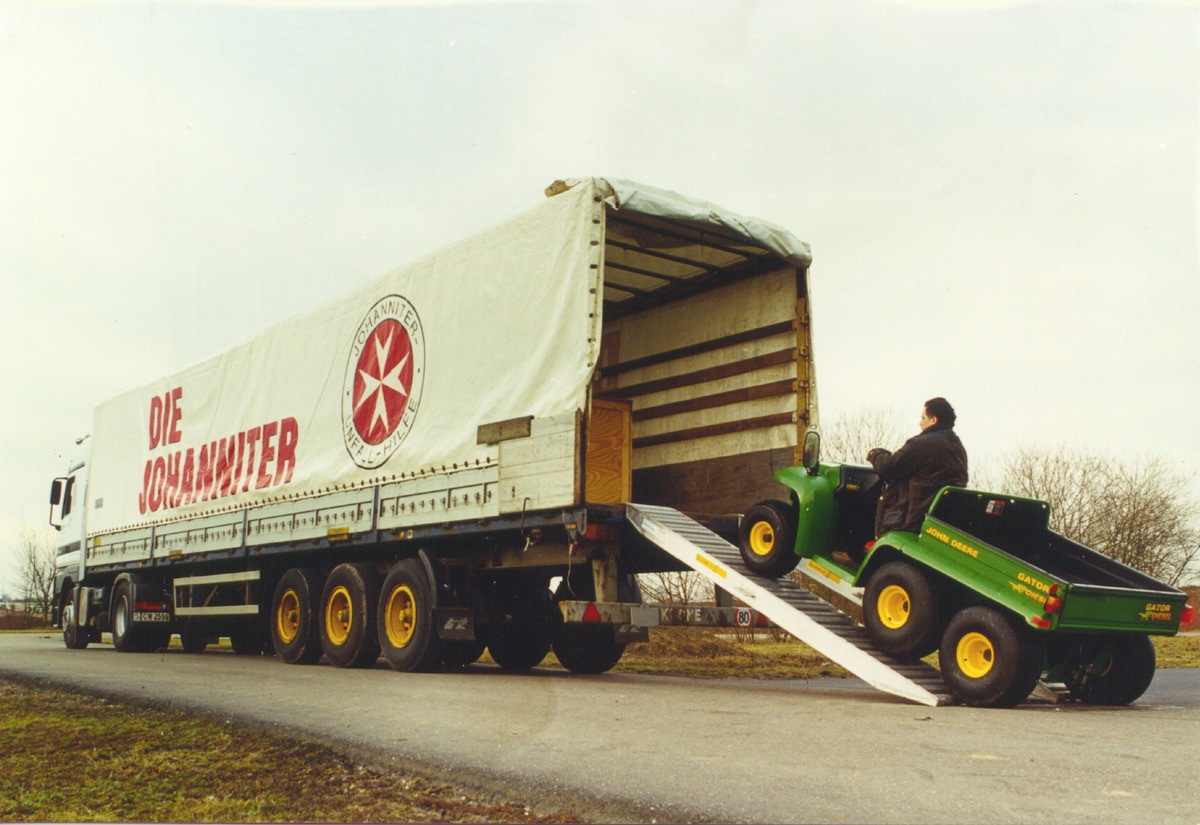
(1001, 200)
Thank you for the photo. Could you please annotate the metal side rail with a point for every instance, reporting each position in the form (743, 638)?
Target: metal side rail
(789, 605)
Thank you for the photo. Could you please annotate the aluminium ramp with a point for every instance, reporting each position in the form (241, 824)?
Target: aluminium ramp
(789, 605)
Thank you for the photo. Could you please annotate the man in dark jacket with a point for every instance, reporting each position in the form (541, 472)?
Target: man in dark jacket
(929, 461)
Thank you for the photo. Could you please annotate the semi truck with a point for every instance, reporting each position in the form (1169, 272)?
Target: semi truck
(406, 470)
(484, 448)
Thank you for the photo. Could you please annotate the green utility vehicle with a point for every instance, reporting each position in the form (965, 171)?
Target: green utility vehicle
(1003, 599)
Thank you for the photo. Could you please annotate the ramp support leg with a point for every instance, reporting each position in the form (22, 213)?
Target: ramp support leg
(604, 576)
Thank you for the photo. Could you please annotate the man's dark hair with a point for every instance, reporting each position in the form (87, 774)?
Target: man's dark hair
(940, 409)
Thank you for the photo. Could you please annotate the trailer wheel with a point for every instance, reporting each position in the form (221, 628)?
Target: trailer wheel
(347, 624)
(294, 617)
(193, 640)
(405, 619)
(587, 648)
(460, 653)
(250, 640)
(1113, 671)
(987, 661)
(518, 646)
(767, 539)
(74, 636)
(902, 611)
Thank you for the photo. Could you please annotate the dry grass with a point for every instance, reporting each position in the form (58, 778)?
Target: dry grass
(65, 757)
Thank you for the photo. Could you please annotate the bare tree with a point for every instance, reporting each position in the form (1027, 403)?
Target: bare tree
(856, 431)
(675, 589)
(1139, 514)
(37, 572)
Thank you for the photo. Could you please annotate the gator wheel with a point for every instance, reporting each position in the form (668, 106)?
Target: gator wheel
(295, 617)
(902, 611)
(1112, 671)
(767, 539)
(405, 619)
(347, 625)
(987, 661)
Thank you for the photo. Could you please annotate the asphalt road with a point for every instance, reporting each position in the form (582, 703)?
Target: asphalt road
(621, 747)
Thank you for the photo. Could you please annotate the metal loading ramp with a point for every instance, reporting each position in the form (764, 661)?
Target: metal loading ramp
(789, 605)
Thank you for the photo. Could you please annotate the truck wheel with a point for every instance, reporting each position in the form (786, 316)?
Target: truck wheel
(987, 661)
(193, 640)
(347, 624)
(767, 539)
(250, 639)
(294, 632)
(74, 636)
(123, 634)
(902, 611)
(1116, 672)
(587, 648)
(405, 619)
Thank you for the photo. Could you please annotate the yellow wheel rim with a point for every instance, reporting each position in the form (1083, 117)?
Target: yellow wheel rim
(339, 616)
(762, 538)
(401, 616)
(287, 617)
(894, 607)
(975, 655)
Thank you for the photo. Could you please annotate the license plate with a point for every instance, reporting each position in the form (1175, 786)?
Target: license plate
(152, 617)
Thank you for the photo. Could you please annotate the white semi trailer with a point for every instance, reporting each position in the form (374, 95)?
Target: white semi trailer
(405, 470)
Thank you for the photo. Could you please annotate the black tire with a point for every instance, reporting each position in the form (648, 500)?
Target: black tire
(987, 660)
(74, 636)
(193, 640)
(295, 635)
(156, 638)
(902, 611)
(518, 646)
(1112, 670)
(347, 625)
(459, 653)
(404, 619)
(523, 620)
(767, 539)
(250, 639)
(587, 648)
(124, 635)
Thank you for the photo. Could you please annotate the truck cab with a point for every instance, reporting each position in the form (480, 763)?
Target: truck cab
(68, 516)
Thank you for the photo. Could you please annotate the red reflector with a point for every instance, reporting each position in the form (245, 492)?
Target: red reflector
(142, 607)
(1188, 615)
(1054, 604)
(591, 614)
(601, 532)
(1038, 621)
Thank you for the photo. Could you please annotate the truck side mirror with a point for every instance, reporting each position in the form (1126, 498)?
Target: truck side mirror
(812, 452)
(60, 501)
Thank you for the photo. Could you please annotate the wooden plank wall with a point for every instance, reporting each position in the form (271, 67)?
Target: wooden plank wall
(720, 385)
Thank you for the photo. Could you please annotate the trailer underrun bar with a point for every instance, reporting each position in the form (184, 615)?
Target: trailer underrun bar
(796, 610)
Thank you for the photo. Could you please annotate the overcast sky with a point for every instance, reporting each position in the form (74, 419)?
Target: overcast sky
(1001, 201)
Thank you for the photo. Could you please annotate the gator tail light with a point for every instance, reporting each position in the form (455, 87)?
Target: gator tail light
(1188, 615)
